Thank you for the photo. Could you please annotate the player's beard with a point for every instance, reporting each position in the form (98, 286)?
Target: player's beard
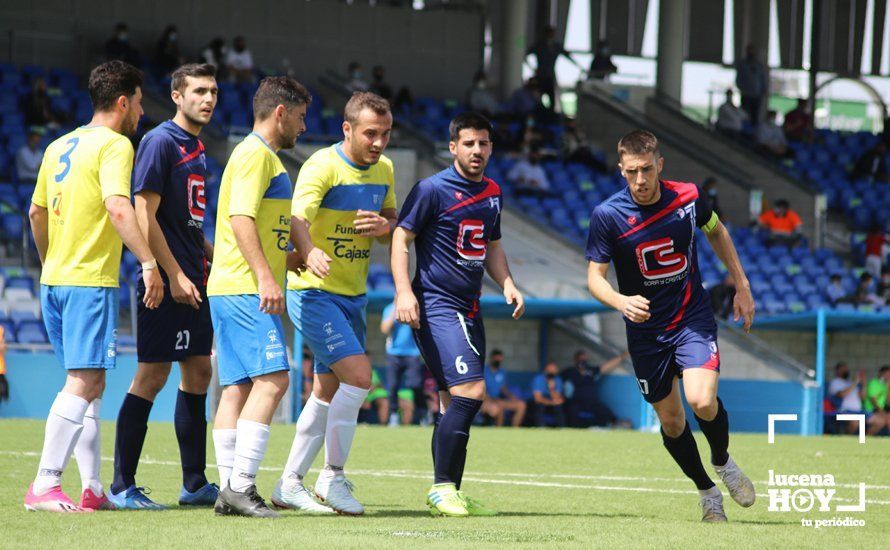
(469, 170)
(196, 121)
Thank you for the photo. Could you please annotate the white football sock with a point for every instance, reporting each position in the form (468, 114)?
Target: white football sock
(63, 426)
(342, 417)
(87, 451)
(250, 447)
(308, 439)
(224, 447)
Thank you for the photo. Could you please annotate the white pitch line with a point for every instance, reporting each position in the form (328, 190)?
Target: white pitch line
(417, 474)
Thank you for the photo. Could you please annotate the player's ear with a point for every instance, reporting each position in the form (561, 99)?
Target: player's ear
(347, 128)
(452, 147)
(660, 163)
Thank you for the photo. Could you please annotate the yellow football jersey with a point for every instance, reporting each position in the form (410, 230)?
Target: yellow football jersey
(79, 171)
(254, 184)
(330, 189)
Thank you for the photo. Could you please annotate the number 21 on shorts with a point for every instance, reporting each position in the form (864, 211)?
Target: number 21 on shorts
(460, 365)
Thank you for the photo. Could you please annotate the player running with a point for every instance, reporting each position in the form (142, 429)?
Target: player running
(648, 231)
(80, 213)
(245, 290)
(454, 220)
(169, 187)
(344, 197)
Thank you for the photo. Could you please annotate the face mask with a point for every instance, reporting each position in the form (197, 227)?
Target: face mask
(550, 376)
(712, 192)
(496, 364)
(480, 85)
(605, 51)
(172, 37)
(122, 36)
(356, 74)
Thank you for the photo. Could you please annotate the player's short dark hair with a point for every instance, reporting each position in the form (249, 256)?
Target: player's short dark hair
(361, 101)
(278, 90)
(638, 142)
(470, 120)
(110, 80)
(495, 351)
(177, 82)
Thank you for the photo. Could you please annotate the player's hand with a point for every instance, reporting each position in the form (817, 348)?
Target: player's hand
(514, 297)
(154, 288)
(371, 224)
(317, 262)
(184, 291)
(635, 308)
(743, 307)
(295, 262)
(407, 309)
(271, 297)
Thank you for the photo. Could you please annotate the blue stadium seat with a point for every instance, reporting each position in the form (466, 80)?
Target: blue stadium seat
(31, 332)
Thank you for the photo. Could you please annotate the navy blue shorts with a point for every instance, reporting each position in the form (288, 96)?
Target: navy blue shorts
(452, 345)
(659, 356)
(173, 331)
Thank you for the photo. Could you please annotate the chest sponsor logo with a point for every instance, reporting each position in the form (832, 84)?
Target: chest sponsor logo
(658, 260)
(345, 244)
(196, 198)
(471, 243)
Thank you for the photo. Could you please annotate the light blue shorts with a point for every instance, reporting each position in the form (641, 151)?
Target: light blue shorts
(332, 325)
(81, 322)
(249, 343)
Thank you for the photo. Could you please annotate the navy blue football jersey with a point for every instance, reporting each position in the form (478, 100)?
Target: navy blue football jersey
(653, 250)
(454, 219)
(171, 163)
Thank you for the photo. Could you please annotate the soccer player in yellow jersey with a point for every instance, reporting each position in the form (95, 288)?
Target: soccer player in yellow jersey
(344, 197)
(245, 292)
(80, 213)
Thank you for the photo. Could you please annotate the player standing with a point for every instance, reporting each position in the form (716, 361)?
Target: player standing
(245, 290)
(169, 188)
(344, 197)
(648, 231)
(80, 213)
(454, 220)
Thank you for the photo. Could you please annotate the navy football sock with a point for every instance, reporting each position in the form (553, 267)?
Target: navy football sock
(459, 468)
(452, 436)
(717, 433)
(685, 453)
(436, 419)
(132, 425)
(190, 422)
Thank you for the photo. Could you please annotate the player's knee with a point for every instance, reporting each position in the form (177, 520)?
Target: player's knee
(273, 385)
(196, 379)
(703, 405)
(672, 424)
(359, 379)
(148, 382)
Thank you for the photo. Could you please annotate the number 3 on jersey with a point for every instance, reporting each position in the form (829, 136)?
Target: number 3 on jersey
(66, 159)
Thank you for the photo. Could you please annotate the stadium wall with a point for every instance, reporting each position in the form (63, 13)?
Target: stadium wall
(434, 52)
(859, 351)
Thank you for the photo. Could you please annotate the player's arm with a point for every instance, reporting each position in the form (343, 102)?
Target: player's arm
(123, 218)
(39, 218)
(248, 240)
(635, 308)
(407, 307)
(613, 363)
(208, 250)
(721, 242)
(498, 269)
(313, 183)
(387, 321)
(181, 288)
(310, 256)
(379, 226)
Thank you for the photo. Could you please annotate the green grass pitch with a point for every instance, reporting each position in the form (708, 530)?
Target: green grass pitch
(556, 488)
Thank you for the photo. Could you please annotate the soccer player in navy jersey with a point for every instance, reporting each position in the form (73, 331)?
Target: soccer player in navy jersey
(648, 231)
(169, 187)
(453, 218)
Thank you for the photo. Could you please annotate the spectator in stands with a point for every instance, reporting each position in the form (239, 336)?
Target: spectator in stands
(481, 99)
(379, 85)
(548, 398)
(404, 367)
(529, 176)
(798, 125)
(356, 78)
(709, 186)
(781, 223)
(526, 100)
(239, 62)
(581, 380)
(601, 66)
(876, 392)
(498, 395)
(28, 158)
(36, 106)
(730, 119)
(865, 294)
(770, 139)
(751, 80)
(883, 290)
(4, 384)
(872, 165)
(876, 245)
(547, 50)
(577, 148)
(404, 101)
(722, 295)
(167, 56)
(376, 401)
(847, 397)
(119, 47)
(215, 54)
(835, 291)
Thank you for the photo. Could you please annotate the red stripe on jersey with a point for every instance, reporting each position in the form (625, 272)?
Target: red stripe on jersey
(685, 192)
(193, 155)
(491, 190)
(688, 294)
